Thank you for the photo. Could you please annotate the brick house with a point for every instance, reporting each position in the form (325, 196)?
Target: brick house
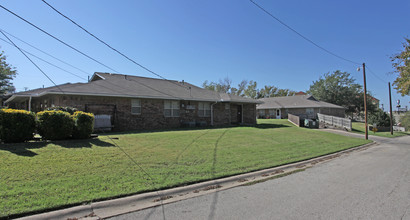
(300, 105)
(142, 103)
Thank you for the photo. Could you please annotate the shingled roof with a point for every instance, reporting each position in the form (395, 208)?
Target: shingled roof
(119, 85)
(300, 101)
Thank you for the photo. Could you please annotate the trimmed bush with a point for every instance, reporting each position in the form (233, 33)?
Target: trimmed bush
(70, 110)
(55, 125)
(16, 125)
(83, 124)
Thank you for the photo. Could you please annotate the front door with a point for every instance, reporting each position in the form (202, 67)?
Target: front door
(277, 113)
(239, 114)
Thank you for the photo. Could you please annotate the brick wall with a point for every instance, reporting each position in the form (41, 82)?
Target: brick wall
(152, 111)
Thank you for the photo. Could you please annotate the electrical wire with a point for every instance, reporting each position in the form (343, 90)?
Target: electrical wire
(106, 44)
(44, 52)
(32, 61)
(301, 35)
(112, 140)
(374, 74)
(46, 61)
(52, 36)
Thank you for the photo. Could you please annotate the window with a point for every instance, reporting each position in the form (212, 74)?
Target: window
(135, 106)
(271, 113)
(261, 112)
(309, 111)
(204, 109)
(171, 108)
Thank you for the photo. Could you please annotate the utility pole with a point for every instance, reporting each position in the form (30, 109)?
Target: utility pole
(391, 112)
(365, 102)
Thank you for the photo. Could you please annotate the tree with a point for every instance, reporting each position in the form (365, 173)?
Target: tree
(251, 91)
(341, 89)
(405, 121)
(401, 64)
(380, 118)
(7, 73)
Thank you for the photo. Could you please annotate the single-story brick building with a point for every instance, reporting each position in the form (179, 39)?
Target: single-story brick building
(301, 105)
(142, 103)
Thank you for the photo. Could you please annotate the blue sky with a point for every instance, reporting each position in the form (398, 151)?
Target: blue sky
(210, 40)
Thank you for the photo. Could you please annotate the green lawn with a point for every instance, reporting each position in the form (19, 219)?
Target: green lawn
(358, 127)
(40, 176)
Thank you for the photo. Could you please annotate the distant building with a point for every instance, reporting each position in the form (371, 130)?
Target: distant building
(300, 105)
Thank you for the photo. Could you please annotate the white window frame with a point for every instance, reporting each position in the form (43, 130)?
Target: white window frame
(135, 105)
(173, 108)
(204, 109)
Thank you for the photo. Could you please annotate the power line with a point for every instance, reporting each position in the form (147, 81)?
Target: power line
(32, 61)
(379, 78)
(66, 44)
(302, 36)
(44, 52)
(106, 44)
(47, 61)
(142, 84)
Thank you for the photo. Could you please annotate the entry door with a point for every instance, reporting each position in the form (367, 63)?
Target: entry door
(239, 115)
(277, 113)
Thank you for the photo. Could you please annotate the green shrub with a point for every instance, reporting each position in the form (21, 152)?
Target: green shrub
(380, 118)
(70, 110)
(16, 125)
(83, 124)
(55, 124)
(405, 121)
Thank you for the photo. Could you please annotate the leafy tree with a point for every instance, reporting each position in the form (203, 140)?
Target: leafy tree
(285, 92)
(341, 89)
(223, 85)
(251, 91)
(268, 91)
(241, 88)
(247, 89)
(7, 73)
(380, 118)
(401, 62)
(405, 121)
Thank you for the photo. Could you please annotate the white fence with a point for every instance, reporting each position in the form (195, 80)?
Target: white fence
(398, 128)
(335, 121)
(102, 122)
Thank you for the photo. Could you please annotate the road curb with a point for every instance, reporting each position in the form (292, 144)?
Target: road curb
(114, 207)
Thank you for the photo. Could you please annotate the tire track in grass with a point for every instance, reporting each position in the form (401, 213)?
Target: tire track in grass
(215, 197)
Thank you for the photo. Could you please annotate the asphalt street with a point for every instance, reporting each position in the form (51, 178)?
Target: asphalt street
(368, 184)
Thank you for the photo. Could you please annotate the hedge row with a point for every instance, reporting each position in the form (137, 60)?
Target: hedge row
(20, 125)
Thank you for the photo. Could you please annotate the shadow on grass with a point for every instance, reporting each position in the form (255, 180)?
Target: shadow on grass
(267, 125)
(260, 126)
(25, 149)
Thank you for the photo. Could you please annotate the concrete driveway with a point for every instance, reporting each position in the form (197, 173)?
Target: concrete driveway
(369, 184)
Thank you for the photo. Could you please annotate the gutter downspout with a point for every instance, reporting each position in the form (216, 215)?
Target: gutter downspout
(29, 104)
(212, 113)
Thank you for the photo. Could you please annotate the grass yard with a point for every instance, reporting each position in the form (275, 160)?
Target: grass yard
(359, 127)
(39, 176)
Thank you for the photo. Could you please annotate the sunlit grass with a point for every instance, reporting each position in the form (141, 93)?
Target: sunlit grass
(47, 175)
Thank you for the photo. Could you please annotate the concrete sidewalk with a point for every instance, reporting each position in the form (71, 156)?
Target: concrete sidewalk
(110, 208)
